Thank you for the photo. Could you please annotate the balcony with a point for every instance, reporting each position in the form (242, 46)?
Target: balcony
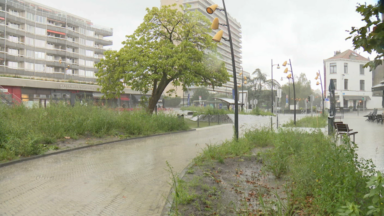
(58, 52)
(56, 40)
(103, 41)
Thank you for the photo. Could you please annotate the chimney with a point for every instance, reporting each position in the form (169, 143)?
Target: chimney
(337, 53)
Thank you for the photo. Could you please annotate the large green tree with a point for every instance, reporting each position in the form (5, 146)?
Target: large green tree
(170, 46)
(370, 36)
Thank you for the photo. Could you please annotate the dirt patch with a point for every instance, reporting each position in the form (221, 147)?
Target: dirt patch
(237, 186)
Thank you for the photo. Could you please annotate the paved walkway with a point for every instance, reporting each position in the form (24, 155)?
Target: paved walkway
(124, 178)
(370, 138)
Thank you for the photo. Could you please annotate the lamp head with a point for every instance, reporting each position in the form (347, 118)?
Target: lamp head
(218, 36)
(215, 24)
(286, 70)
(285, 63)
(278, 66)
(212, 8)
(289, 76)
(241, 73)
(245, 78)
(316, 77)
(318, 83)
(245, 82)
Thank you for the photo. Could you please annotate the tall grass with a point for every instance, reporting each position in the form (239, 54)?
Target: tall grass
(322, 176)
(309, 121)
(25, 131)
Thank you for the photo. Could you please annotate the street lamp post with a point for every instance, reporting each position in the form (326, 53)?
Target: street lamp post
(322, 92)
(293, 81)
(278, 67)
(217, 38)
(243, 82)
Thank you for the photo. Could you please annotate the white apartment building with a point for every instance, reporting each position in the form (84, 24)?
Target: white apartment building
(353, 82)
(224, 48)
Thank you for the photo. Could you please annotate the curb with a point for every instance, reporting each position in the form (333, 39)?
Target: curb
(169, 201)
(84, 147)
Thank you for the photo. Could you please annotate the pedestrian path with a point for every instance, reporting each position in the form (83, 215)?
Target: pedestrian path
(124, 178)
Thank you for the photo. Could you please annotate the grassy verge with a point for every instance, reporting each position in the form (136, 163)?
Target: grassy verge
(213, 111)
(323, 178)
(193, 124)
(259, 112)
(32, 131)
(310, 122)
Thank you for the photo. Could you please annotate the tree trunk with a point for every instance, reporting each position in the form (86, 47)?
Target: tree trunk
(156, 94)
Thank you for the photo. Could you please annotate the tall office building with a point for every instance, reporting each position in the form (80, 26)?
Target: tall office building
(47, 46)
(224, 48)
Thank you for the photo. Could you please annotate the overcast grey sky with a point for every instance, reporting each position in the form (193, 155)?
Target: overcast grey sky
(305, 31)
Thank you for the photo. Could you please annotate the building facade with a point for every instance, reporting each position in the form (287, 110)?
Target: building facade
(46, 53)
(224, 48)
(352, 81)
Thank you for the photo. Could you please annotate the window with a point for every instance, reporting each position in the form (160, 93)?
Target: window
(69, 49)
(50, 46)
(50, 58)
(362, 85)
(13, 64)
(82, 51)
(69, 60)
(39, 67)
(39, 43)
(89, 74)
(30, 16)
(89, 43)
(49, 69)
(333, 68)
(90, 33)
(12, 25)
(70, 39)
(13, 51)
(30, 29)
(14, 12)
(29, 41)
(30, 53)
(335, 83)
(346, 84)
(81, 73)
(39, 55)
(89, 53)
(28, 66)
(89, 63)
(40, 19)
(82, 41)
(13, 39)
(68, 71)
(41, 31)
(82, 31)
(81, 62)
(345, 67)
(361, 69)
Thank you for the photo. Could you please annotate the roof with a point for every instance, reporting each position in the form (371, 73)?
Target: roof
(229, 101)
(349, 54)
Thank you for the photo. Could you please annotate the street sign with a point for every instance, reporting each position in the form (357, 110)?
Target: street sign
(343, 93)
(279, 93)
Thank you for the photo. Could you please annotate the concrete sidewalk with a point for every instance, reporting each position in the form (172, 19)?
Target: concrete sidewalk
(124, 178)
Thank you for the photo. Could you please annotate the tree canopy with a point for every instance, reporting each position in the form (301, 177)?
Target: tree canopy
(170, 46)
(370, 37)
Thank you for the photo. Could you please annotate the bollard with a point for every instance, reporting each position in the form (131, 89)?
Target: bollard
(198, 121)
(271, 124)
(218, 119)
(277, 121)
